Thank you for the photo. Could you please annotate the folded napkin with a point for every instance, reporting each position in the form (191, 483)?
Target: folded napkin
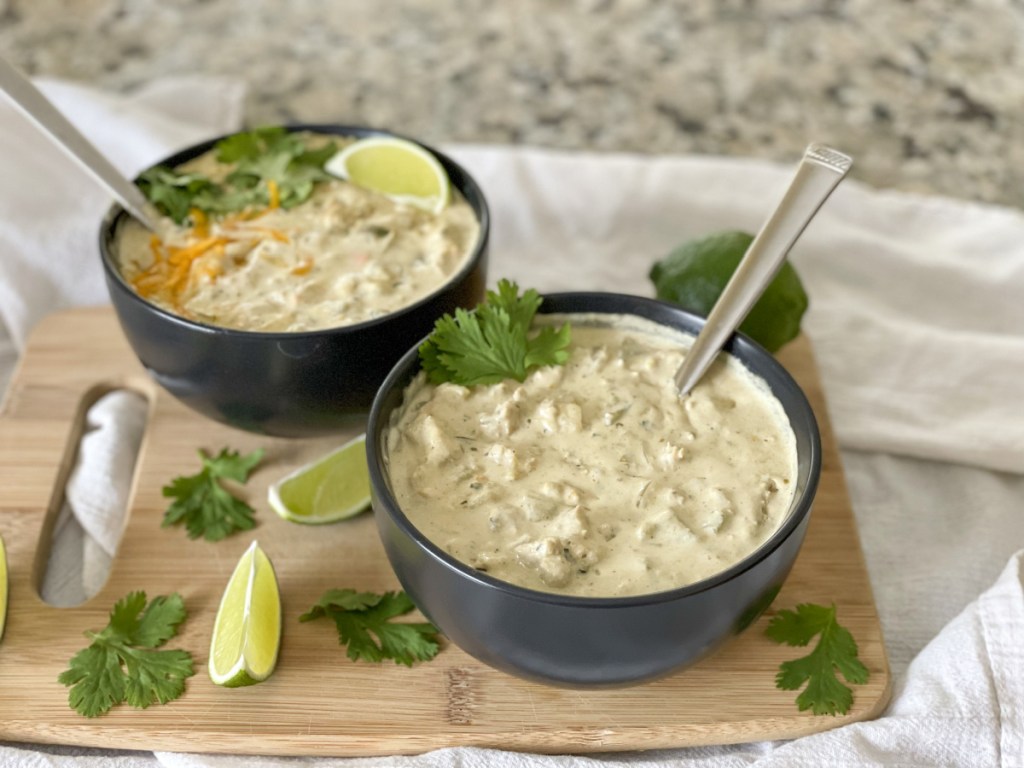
(88, 528)
(916, 323)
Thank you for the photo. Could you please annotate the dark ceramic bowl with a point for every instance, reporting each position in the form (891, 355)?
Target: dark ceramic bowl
(578, 641)
(289, 384)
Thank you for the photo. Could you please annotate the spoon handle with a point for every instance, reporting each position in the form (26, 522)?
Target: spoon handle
(819, 172)
(47, 118)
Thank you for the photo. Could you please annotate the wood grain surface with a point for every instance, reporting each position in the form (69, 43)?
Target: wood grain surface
(319, 702)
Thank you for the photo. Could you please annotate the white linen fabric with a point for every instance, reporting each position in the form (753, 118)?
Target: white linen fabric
(917, 324)
(88, 528)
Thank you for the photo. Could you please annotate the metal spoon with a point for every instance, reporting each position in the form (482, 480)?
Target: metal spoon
(46, 117)
(819, 172)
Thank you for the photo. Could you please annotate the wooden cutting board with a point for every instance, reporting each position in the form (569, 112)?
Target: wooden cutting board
(319, 702)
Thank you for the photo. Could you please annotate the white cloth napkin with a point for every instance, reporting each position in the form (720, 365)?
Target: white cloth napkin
(91, 520)
(916, 322)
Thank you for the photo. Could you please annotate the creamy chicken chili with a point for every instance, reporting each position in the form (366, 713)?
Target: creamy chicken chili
(595, 478)
(344, 256)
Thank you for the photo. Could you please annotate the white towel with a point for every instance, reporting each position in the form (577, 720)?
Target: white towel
(916, 321)
(89, 526)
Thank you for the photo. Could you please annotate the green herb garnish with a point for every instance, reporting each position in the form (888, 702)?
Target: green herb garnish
(363, 616)
(205, 506)
(270, 154)
(694, 275)
(174, 194)
(274, 154)
(836, 650)
(493, 342)
(121, 664)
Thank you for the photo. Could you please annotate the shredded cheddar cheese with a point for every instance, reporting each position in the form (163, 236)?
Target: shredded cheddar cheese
(174, 269)
(200, 222)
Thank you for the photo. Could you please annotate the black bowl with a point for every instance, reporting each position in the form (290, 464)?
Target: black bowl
(289, 384)
(579, 641)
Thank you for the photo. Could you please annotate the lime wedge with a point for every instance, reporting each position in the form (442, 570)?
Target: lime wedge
(333, 488)
(400, 169)
(3, 588)
(247, 630)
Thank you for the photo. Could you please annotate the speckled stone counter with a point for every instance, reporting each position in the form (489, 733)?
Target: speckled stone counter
(928, 96)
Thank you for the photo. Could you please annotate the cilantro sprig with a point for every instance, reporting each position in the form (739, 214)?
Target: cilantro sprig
(204, 505)
(364, 621)
(257, 157)
(121, 664)
(493, 342)
(836, 650)
(175, 193)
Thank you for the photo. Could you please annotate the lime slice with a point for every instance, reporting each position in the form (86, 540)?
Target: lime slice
(400, 169)
(333, 488)
(247, 630)
(3, 588)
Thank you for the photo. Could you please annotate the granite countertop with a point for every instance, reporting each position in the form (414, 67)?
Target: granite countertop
(928, 97)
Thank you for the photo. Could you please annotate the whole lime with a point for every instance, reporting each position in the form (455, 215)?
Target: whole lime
(694, 275)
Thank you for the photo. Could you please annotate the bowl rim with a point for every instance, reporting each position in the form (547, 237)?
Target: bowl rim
(116, 214)
(748, 352)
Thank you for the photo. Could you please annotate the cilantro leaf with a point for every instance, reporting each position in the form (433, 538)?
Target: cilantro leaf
(548, 347)
(204, 505)
(273, 154)
(492, 342)
(257, 157)
(836, 650)
(520, 309)
(175, 194)
(122, 665)
(364, 624)
(247, 145)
